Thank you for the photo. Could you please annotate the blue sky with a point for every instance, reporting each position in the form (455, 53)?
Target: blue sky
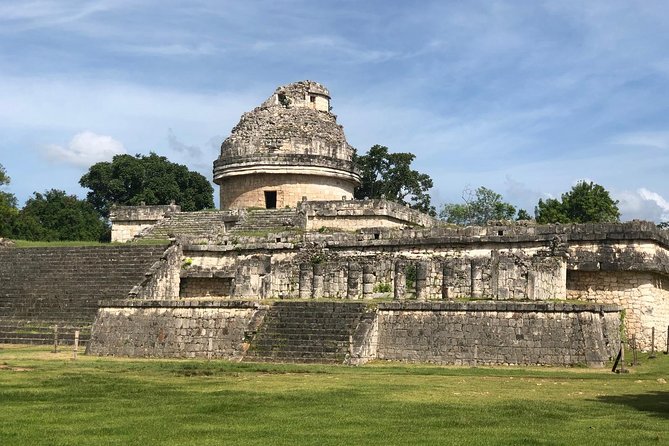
(525, 97)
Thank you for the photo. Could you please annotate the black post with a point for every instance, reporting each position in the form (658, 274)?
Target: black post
(652, 343)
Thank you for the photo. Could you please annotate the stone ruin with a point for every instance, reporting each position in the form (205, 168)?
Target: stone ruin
(293, 269)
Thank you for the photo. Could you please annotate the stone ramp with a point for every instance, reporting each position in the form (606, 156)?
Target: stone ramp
(43, 287)
(262, 220)
(191, 224)
(306, 332)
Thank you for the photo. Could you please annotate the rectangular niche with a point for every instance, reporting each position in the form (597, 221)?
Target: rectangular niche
(206, 287)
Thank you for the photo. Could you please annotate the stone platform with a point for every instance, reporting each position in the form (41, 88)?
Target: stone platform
(457, 333)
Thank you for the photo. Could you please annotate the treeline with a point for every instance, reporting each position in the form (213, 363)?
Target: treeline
(152, 179)
(126, 180)
(390, 175)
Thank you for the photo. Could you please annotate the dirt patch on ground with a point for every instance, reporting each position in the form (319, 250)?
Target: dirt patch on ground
(15, 369)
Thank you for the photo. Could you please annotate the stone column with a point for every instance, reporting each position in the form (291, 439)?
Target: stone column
(317, 289)
(354, 281)
(446, 273)
(400, 282)
(368, 280)
(306, 278)
(422, 272)
(476, 279)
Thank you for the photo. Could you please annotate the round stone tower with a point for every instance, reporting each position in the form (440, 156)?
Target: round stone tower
(288, 148)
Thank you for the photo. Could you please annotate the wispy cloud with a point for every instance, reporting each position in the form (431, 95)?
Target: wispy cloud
(178, 146)
(332, 47)
(175, 49)
(655, 140)
(84, 149)
(23, 15)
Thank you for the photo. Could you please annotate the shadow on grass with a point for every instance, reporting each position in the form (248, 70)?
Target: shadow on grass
(656, 403)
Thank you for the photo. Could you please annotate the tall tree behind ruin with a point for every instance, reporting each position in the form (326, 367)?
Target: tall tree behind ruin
(584, 203)
(390, 175)
(152, 179)
(8, 210)
(479, 207)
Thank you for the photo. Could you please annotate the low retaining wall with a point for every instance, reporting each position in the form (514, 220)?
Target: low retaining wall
(173, 329)
(468, 333)
(460, 333)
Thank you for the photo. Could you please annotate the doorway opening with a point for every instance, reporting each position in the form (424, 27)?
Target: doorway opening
(270, 199)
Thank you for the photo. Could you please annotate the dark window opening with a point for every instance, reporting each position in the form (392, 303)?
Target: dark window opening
(500, 232)
(377, 236)
(312, 98)
(270, 199)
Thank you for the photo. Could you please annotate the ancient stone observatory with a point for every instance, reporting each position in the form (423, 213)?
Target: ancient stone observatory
(289, 148)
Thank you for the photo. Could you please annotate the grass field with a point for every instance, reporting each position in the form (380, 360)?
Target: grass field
(48, 398)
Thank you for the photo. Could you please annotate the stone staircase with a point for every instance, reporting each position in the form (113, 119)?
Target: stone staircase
(43, 287)
(195, 224)
(262, 220)
(306, 332)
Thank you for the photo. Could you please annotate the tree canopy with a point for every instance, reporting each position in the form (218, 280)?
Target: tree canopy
(479, 207)
(8, 210)
(152, 179)
(585, 202)
(55, 215)
(390, 175)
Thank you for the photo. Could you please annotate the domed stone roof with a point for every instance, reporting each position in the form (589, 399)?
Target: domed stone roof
(292, 133)
(295, 120)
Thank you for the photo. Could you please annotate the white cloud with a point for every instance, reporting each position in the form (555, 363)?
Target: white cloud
(643, 204)
(86, 148)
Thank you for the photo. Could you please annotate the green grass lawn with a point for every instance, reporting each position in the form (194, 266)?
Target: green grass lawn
(50, 399)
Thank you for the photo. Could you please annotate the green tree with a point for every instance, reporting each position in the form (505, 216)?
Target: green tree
(8, 210)
(585, 202)
(152, 179)
(55, 215)
(479, 207)
(390, 175)
(523, 215)
(663, 225)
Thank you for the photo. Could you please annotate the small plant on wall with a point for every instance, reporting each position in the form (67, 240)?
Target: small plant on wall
(382, 287)
(411, 275)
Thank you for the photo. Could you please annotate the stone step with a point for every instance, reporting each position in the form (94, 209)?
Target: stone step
(199, 224)
(305, 332)
(40, 287)
(266, 219)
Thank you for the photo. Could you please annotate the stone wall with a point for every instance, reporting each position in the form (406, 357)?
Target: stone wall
(206, 287)
(309, 271)
(162, 280)
(175, 329)
(467, 333)
(644, 296)
(248, 191)
(128, 221)
(353, 215)
(493, 333)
